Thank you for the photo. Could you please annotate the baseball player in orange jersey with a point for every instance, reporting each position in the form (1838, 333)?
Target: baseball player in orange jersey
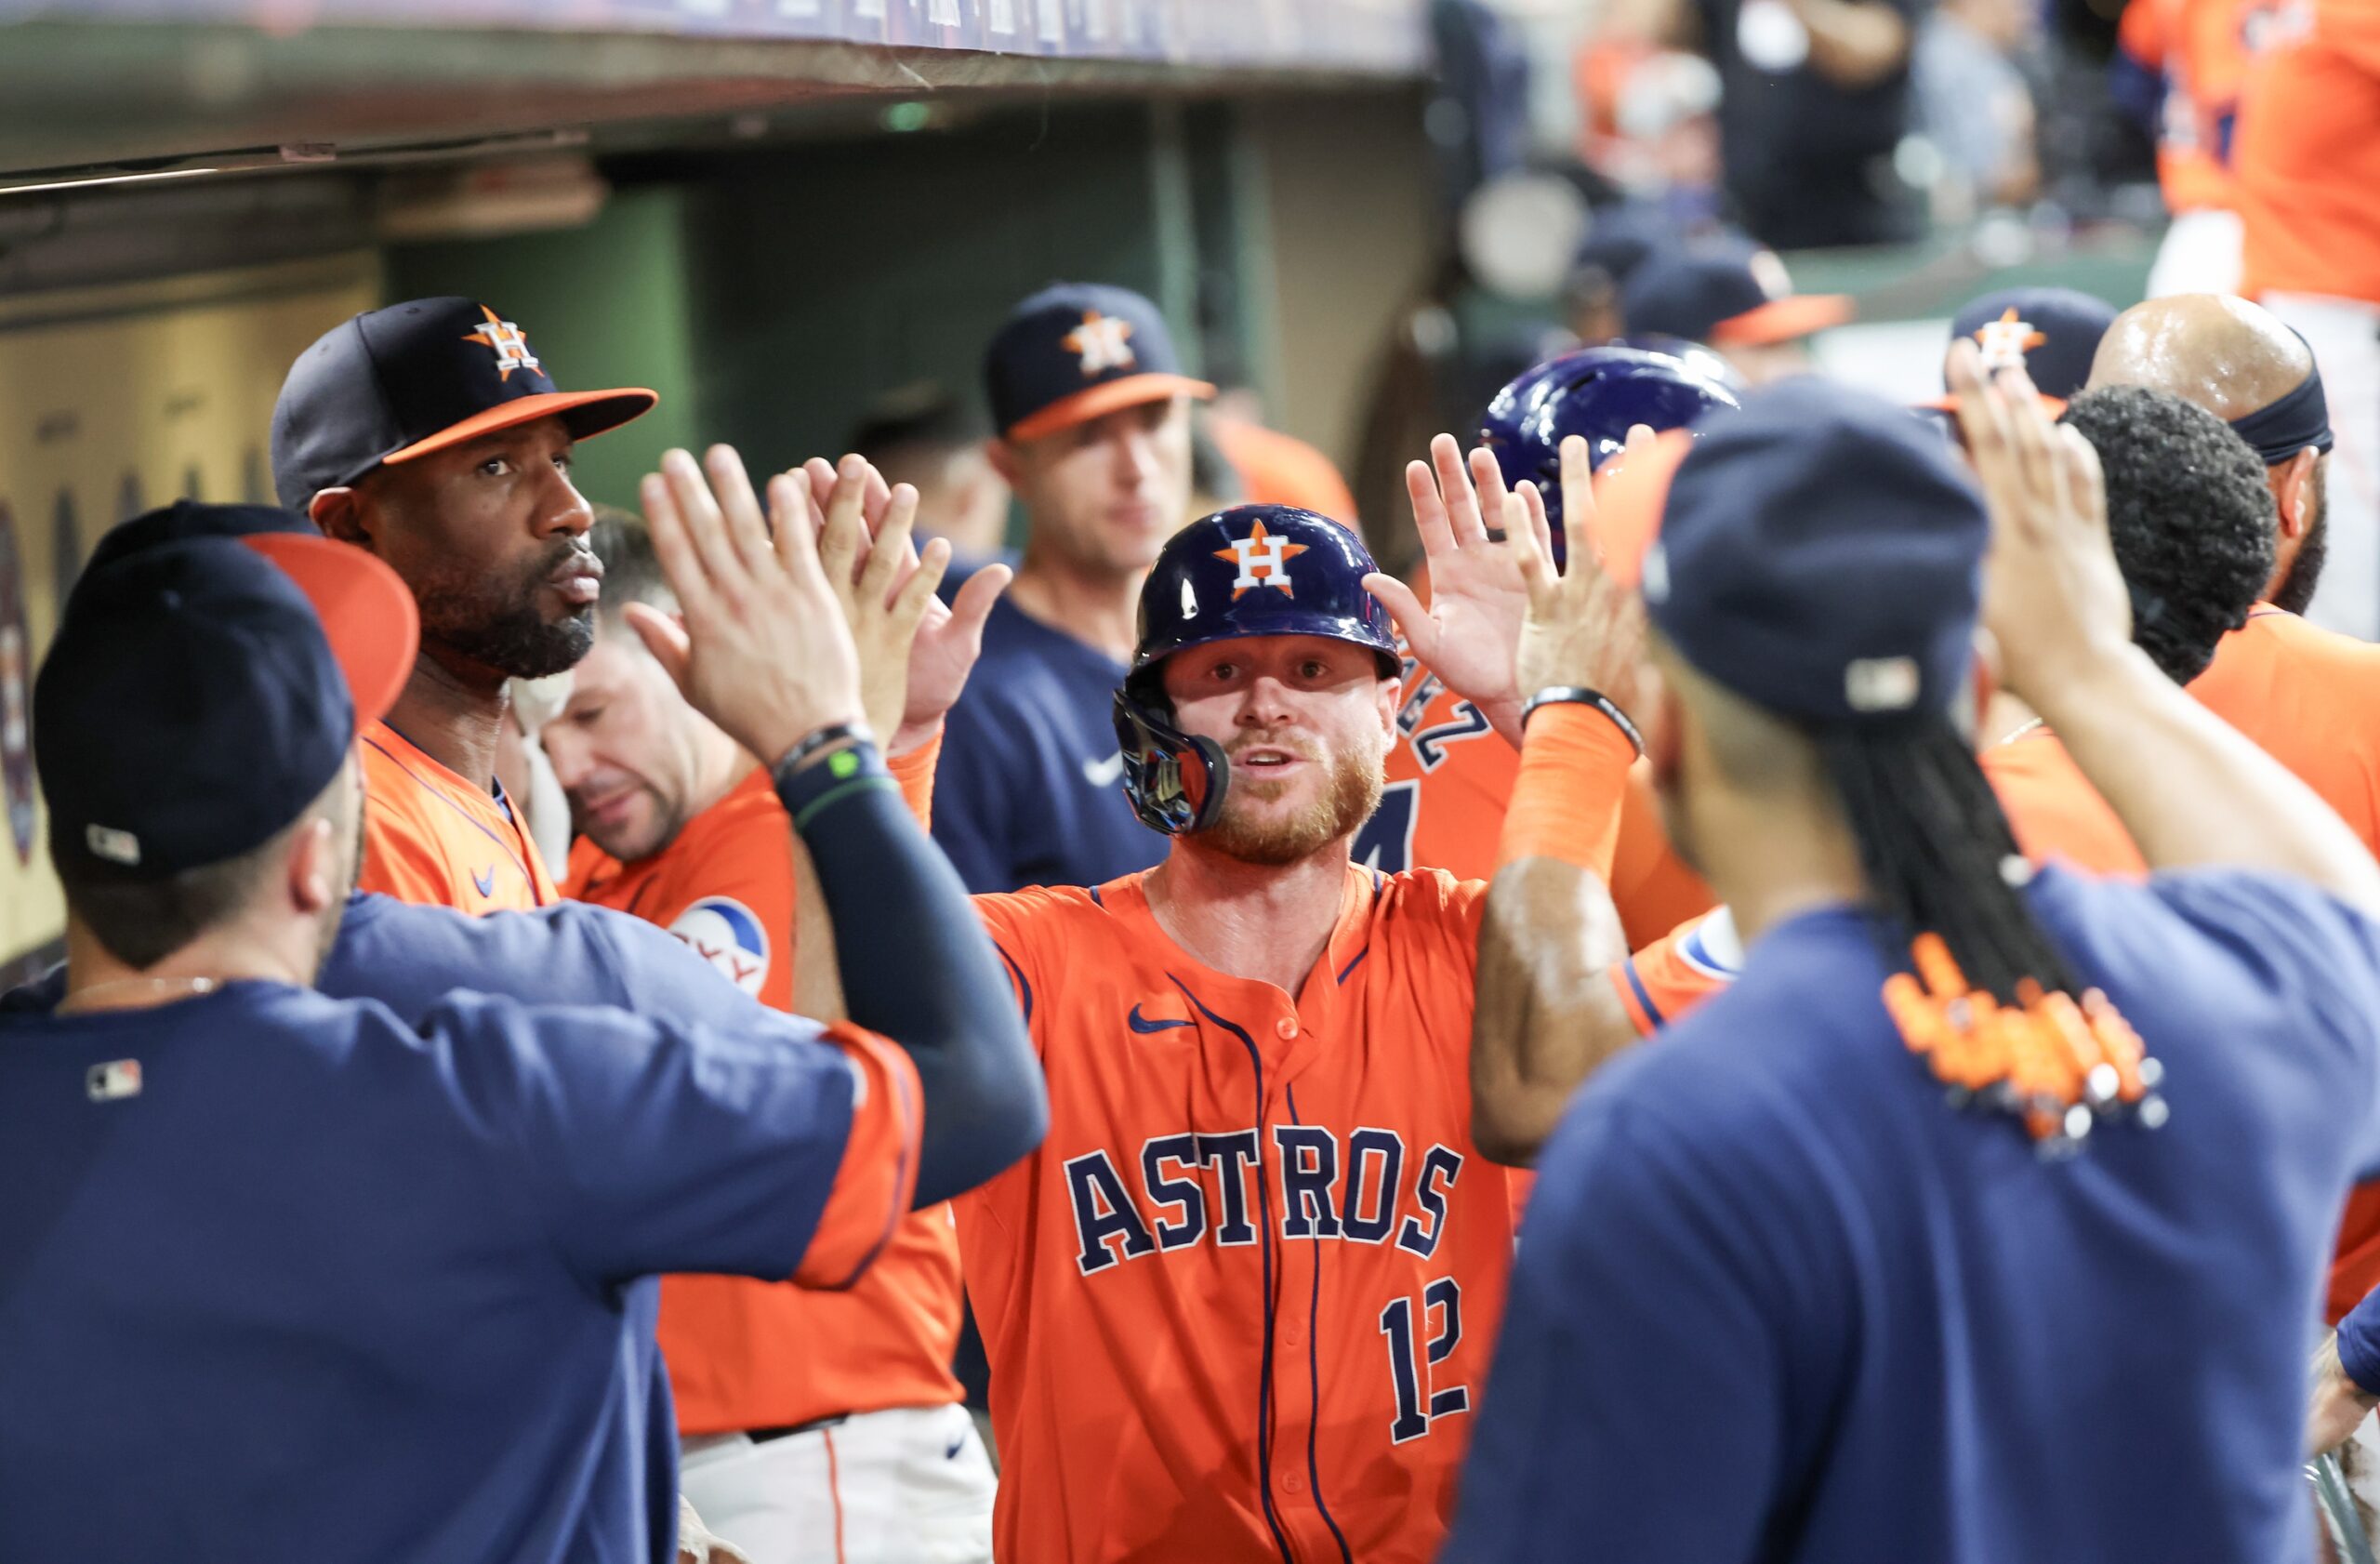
(2309, 696)
(1237, 1310)
(429, 433)
(2190, 56)
(1448, 778)
(816, 1425)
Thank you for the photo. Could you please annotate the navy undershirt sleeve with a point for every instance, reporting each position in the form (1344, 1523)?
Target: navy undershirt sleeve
(918, 968)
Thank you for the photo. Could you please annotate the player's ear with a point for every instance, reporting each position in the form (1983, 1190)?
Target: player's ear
(339, 512)
(316, 869)
(1388, 695)
(1002, 456)
(2293, 492)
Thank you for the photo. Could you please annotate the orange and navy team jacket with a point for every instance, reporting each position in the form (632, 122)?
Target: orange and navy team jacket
(1451, 776)
(437, 838)
(742, 1353)
(2310, 698)
(1239, 1304)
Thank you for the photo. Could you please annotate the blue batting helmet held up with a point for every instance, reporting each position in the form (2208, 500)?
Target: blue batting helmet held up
(1246, 571)
(1597, 392)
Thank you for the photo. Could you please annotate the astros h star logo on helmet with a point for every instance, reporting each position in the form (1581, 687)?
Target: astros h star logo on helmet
(1263, 561)
(510, 343)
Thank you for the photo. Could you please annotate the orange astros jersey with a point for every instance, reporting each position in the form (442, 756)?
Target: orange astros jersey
(2053, 811)
(2310, 698)
(1238, 1306)
(744, 1354)
(1451, 775)
(435, 838)
(2201, 48)
(2306, 159)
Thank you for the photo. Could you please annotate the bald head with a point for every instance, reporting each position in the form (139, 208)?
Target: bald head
(2223, 353)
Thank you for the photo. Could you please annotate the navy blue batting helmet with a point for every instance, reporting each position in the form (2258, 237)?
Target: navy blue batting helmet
(1705, 361)
(1246, 571)
(1598, 392)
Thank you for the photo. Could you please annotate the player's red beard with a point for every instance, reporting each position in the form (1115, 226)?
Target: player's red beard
(1350, 792)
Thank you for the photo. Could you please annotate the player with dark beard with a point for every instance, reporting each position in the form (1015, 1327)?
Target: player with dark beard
(429, 435)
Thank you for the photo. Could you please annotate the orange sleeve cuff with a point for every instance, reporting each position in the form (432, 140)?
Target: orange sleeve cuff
(915, 772)
(1566, 798)
(878, 1175)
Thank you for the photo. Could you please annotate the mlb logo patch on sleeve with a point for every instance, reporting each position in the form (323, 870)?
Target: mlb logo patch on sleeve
(112, 1081)
(724, 932)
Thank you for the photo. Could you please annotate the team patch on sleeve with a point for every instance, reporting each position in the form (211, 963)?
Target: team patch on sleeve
(724, 932)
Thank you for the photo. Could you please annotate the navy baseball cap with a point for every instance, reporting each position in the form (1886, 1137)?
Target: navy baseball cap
(1728, 294)
(1076, 352)
(192, 704)
(1819, 553)
(394, 384)
(2052, 332)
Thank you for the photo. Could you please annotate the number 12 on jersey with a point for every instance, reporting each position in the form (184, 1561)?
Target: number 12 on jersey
(1418, 1402)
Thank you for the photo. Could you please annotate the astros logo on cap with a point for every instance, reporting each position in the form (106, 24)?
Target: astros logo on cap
(2007, 340)
(1100, 342)
(511, 344)
(1264, 562)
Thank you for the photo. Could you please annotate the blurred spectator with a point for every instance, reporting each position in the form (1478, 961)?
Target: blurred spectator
(927, 438)
(1975, 106)
(1277, 469)
(1735, 298)
(1813, 103)
(2306, 157)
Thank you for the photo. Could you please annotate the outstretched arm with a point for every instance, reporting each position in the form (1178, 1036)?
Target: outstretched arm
(764, 651)
(1544, 1015)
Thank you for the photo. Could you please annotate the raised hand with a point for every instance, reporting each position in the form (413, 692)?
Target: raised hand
(2053, 596)
(759, 647)
(949, 637)
(1582, 628)
(1467, 632)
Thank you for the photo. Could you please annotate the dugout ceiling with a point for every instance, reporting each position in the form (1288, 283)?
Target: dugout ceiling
(94, 87)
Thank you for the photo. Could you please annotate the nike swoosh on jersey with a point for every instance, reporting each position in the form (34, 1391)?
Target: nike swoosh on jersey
(486, 882)
(1106, 773)
(1142, 1025)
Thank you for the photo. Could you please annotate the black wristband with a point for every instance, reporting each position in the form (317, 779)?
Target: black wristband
(817, 740)
(808, 792)
(1578, 695)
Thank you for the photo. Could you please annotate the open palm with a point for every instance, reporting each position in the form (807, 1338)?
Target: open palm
(1467, 632)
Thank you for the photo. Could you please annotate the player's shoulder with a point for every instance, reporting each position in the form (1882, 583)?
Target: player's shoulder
(1419, 893)
(1058, 911)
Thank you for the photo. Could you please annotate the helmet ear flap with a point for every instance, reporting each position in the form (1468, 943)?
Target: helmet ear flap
(1176, 781)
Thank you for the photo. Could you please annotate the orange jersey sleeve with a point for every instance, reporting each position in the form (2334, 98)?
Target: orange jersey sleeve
(433, 838)
(878, 1175)
(915, 773)
(1449, 779)
(1277, 469)
(745, 1354)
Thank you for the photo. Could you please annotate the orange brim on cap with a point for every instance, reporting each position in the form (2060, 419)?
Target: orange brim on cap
(1783, 320)
(1109, 396)
(1630, 492)
(596, 412)
(367, 610)
(2053, 405)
